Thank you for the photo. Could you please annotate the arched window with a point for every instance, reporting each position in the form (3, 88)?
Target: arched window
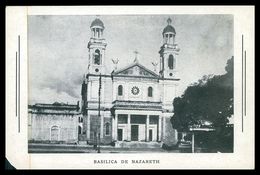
(98, 32)
(150, 92)
(107, 128)
(120, 90)
(97, 57)
(170, 62)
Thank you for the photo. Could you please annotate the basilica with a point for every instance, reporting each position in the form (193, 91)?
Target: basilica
(129, 105)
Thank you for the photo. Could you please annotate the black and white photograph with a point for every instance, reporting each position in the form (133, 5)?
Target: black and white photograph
(162, 87)
(125, 83)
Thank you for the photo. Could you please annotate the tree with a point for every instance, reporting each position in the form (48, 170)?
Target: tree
(210, 99)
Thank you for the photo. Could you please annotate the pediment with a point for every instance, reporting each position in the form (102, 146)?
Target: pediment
(136, 70)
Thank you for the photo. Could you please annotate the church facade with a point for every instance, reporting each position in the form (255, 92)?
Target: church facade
(131, 104)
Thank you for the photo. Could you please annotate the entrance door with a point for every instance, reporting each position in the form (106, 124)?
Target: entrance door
(54, 133)
(134, 132)
(150, 135)
(120, 134)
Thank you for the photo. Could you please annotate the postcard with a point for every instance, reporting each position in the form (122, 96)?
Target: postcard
(130, 87)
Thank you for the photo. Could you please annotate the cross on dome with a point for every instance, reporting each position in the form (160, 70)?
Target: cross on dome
(169, 28)
(169, 21)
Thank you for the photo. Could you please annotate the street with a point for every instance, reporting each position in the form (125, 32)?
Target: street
(60, 148)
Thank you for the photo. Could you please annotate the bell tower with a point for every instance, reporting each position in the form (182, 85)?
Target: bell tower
(96, 48)
(168, 52)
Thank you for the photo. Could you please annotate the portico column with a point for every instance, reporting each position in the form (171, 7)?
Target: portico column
(116, 119)
(147, 128)
(159, 128)
(128, 127)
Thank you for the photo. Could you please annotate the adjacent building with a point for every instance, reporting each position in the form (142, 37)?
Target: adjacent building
(54, 123)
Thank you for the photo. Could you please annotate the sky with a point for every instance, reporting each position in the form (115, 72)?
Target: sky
(58, 53)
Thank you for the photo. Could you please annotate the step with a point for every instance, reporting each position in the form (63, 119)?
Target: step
(138, 144)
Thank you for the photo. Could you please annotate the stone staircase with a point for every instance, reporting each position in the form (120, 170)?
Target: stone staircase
(132, 144)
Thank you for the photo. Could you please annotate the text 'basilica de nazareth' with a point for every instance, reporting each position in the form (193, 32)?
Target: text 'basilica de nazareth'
(130, 105)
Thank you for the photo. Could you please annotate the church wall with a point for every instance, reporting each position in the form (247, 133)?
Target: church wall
(168, 93)
(142, 84)
(108, 91)
(170, 135)
(93, 89)
(107, 139)
(116, 83)
(95, 126)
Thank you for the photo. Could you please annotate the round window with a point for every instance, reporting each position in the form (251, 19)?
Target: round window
(170, 74)
(135, 90)
(96, 70)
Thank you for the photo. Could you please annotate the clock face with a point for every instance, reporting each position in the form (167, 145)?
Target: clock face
(135, 90)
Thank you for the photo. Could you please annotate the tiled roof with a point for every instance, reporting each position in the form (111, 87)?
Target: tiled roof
(54, 106)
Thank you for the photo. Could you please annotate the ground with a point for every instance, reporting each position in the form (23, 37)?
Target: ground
(60, 148)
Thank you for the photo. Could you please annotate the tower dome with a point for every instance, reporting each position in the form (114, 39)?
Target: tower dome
(97, 47)
(97, 23)
(97, 28)
(169, 28)
(168, 52)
